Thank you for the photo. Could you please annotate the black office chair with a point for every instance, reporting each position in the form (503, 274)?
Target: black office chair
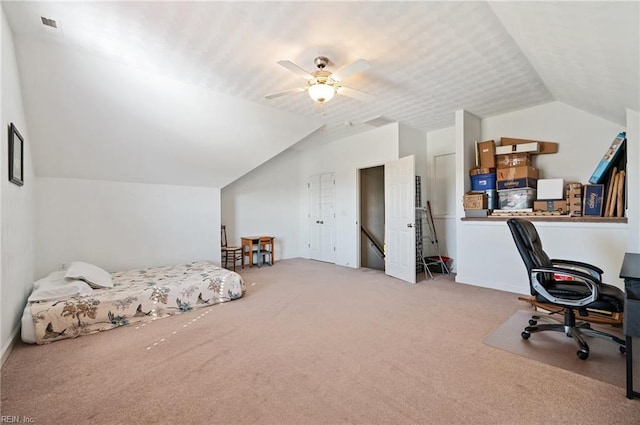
(585, 291)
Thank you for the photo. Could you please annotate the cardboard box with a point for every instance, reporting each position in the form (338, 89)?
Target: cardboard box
(575, 210)
(593, 199)
(573, 193)
(518, 184)
(487, 154)
(476, 213)
(516, 199)
(549, 189)
(524, 147)
(573, 190)
(551, 206)
(479, 170)
(513, 173)
(513, 160)
(475, 201)
(543, 147)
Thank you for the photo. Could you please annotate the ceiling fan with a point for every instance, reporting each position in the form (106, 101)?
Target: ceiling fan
(322, 84)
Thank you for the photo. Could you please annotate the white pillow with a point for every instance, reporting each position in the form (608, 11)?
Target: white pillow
(93, 275)
(54, 277)
(56, 287)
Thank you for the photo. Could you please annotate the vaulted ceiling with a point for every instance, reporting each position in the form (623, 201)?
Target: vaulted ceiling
(173, 92)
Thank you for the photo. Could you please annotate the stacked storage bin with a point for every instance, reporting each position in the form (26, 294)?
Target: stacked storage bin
(483, 177)
(517, 181)
(484, 180)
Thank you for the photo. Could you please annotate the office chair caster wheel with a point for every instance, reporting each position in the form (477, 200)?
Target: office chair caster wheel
(623, 350)
(533, 322)
(525, 335)
(583, 355)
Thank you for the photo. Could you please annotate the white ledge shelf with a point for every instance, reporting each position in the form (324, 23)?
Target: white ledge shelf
(552, 219)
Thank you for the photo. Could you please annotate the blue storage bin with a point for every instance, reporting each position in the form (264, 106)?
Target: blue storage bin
(483, 182)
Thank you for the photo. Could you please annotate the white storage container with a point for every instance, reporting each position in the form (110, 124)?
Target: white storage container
(550, 189)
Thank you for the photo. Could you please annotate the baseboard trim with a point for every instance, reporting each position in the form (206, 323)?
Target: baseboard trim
(503, 288)
(8, 346)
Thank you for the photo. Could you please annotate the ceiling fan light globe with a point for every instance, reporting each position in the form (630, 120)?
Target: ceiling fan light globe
(321, 92)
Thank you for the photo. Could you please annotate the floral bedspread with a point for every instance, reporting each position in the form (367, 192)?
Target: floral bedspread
(138, 295)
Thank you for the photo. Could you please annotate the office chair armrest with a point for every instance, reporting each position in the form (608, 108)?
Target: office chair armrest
(580, 266)
(580, 278)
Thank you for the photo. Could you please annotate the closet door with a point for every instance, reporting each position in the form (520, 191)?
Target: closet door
(322, 217)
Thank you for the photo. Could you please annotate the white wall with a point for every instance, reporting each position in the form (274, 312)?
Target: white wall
(17, 208)
(467, 134)
(85, 111)
(265, 202)
(441, 188)
(118, 226)
(491, 259)
(274, 198)
(487, 253)
(414, 142)
(344, 157)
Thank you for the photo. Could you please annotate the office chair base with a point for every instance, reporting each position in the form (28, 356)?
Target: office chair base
(576, 332)
(551, 317)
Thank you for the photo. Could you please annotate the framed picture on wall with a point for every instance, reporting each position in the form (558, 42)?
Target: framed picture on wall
(16, 156)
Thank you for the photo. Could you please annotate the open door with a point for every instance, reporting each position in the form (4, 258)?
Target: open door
(400, 217)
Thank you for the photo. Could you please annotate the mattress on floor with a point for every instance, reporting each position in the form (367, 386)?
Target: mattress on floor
(137, 295)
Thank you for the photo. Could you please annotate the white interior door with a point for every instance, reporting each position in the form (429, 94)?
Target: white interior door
(322, 217)
(400, 214)
(315, 244)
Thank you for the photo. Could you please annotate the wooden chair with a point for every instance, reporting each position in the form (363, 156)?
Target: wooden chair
(230, 253)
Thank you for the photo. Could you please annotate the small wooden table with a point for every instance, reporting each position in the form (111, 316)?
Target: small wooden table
(249, 241)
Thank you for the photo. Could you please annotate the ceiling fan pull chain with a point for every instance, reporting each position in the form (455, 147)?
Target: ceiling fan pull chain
(323, 112)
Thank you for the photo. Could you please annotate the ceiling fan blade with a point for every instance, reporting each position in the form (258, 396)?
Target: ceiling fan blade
(346, 72)
(296, 69)
(356, 94)
(285, 92)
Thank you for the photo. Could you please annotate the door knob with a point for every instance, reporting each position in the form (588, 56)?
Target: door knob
(321, 222)
(410, 225)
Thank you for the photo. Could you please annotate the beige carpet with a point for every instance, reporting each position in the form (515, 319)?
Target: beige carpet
(310, 343)
(605, 362)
